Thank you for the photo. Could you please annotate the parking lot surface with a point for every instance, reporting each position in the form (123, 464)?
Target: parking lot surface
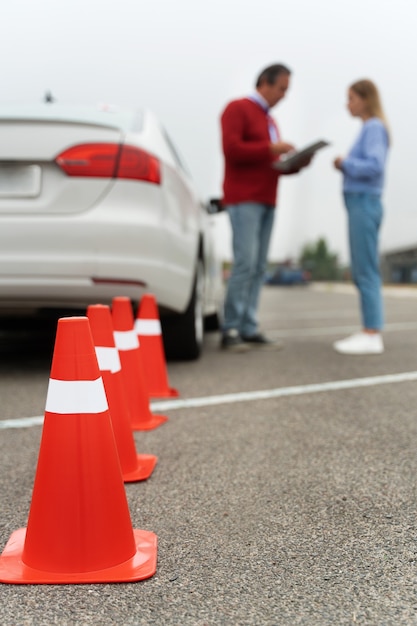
(285, 489)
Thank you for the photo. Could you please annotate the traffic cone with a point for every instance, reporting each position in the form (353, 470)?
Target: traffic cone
(127, 343)
(148, 330)
(79, 528)
(134, 466)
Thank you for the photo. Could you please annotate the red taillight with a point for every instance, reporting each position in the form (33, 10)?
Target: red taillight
(138, 165)
(98, 160)
(110, 160)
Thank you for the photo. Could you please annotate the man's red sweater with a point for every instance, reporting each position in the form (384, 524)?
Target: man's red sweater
(248, 176)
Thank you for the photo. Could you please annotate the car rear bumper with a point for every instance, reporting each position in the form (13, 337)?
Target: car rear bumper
(113, 249)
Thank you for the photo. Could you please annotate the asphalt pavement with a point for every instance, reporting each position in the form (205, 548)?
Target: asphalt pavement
(285, 489)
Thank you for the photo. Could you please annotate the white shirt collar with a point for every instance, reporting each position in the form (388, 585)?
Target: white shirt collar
(256, 96)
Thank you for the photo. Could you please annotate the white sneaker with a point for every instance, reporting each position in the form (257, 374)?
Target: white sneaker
(361, 343)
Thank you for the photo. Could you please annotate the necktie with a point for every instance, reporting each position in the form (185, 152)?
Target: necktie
(273, 130)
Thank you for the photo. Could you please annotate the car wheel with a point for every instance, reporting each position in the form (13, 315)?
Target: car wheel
(183, 334)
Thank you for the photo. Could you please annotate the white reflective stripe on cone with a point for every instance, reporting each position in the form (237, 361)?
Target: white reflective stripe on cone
(126, 339)
(108, 359)
(148, 327)
(76, 396)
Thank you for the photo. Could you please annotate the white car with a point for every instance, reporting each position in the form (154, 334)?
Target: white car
(95, 203)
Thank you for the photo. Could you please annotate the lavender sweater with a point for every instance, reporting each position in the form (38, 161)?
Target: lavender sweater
(364, 167)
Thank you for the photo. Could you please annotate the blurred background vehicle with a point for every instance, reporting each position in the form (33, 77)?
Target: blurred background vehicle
(285, 275)
(95, 202)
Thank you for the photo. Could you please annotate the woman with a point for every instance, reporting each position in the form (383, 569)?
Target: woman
(363, 180)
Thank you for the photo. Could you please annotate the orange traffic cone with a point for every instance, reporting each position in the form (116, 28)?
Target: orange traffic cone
(79, 528)
(132, 367)
(148, 329)
(134, 466)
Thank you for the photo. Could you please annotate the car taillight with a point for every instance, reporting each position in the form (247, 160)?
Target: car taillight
(96, 160)
(110, 160)
(138, 165)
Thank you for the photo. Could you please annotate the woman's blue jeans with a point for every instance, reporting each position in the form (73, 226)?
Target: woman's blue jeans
(251, 232)
(364, 218)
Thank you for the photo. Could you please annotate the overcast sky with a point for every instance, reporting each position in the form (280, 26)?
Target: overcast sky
(185, 59)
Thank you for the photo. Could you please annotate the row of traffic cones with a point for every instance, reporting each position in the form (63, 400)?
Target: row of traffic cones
(132, 367)
(79, 528)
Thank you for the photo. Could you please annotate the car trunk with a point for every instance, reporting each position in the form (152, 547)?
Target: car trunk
(31, 181)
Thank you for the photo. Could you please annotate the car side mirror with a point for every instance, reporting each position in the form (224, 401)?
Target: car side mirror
(214, 205)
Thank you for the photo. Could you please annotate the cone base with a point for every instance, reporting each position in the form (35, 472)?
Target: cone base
(145, 466)
(169, 392)
(142, 565)
(152, 422)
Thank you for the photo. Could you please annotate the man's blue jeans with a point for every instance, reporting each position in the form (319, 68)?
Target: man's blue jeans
(365, 216)
(251, 231)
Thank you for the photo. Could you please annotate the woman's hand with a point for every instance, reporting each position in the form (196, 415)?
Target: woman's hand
(338, 163)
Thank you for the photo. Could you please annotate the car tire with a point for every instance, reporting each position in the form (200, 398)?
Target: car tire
(183, 334)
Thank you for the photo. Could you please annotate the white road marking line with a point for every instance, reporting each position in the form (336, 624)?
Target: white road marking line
(249, 396)
(22, 422)
(280, 392)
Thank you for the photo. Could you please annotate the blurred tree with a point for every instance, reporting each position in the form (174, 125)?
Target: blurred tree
(320, 262)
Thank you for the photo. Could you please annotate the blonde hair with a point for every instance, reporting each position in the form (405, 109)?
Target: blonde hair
(368, 91)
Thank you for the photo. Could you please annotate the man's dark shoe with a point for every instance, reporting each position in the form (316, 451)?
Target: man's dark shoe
(232, 341)
(260, 341)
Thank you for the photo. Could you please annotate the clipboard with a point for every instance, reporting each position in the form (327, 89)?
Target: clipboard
(292, 160)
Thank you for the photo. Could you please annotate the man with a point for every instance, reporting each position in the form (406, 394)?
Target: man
(251, 143)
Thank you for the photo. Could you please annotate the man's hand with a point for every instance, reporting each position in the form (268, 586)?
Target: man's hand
(281, 147)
